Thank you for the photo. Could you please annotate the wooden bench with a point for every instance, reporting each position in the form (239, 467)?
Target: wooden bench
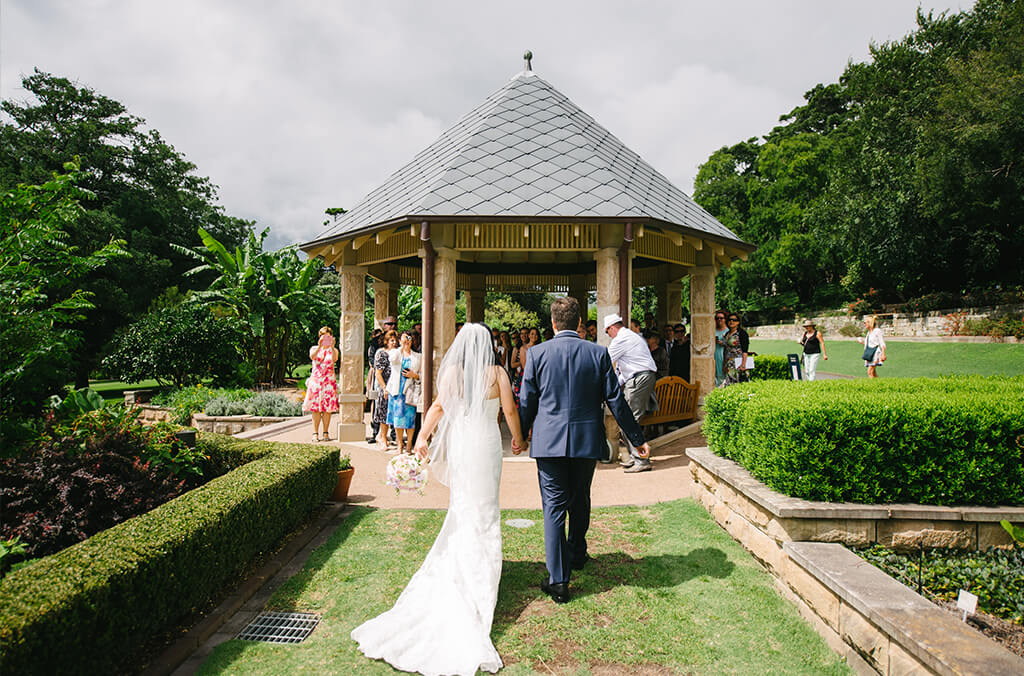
(677, 401)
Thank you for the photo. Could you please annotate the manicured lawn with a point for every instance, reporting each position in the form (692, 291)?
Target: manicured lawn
(911, 360)
(667, 590)
(113, 390)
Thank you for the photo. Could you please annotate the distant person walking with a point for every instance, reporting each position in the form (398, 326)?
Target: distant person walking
(874, 346)
(737, 348)
(814, 348)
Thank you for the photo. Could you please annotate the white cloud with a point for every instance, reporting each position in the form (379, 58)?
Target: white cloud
(295, 107)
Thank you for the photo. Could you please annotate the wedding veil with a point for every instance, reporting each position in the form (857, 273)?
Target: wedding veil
(463, 381)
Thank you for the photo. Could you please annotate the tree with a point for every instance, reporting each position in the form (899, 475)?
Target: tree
(144, 192)
(504, 314)
(43, 304)
(181, 345)
(268, 292)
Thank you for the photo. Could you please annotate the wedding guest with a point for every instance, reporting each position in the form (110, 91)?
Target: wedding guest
(814, 348)
(737, 348)
(649, 322)
(548, 333)
(376, 343)
(405, 374)
(515, 361)
(634, 326)
(659, 355)
(876, 343)
(581, 331)
(637, 374)
(382, 368)
(504, 350)
(668, 337)
(322, 385)
(720, 330)
(592, 330)
(679, 355)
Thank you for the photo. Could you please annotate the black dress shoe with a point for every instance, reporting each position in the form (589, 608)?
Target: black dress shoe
(578, 565)
(559, 592)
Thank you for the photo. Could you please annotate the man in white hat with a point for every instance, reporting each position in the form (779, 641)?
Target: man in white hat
(637, 375)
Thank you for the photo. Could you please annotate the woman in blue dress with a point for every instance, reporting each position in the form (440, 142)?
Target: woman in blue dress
(405, 374)
(720, 330)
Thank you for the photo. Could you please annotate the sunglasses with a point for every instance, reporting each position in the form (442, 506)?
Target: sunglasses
(733, 319)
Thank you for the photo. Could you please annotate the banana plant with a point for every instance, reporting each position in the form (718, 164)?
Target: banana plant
(268, 292)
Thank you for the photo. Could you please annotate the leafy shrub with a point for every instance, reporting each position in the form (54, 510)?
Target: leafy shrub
(770, 367)
(137, 579)
(261, 404)
(940, 300)
(11, 550)
(272, 404)
(997, 327)
(179, 345)
(91, 473)
(942, 441)
(851, 330)
(189, 400)
(996, 576)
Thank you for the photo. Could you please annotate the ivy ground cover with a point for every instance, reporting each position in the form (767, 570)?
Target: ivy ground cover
(667, 590)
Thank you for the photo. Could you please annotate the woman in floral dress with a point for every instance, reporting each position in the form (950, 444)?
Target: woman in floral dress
(322, 385)
(737, 345)
(405, 366)
(382, 366)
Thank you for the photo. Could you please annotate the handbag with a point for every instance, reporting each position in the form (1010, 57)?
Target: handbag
(413, 392)
(869, 352)
(372, 388)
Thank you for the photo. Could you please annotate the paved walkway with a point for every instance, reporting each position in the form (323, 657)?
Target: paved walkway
(669, 480)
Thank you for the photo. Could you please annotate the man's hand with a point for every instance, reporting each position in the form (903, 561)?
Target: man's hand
(644, 451)
(518, 447)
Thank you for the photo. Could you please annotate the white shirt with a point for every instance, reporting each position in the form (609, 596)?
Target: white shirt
(631, 355)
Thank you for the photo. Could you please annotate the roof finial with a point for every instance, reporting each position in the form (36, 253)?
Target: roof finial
(528, 56)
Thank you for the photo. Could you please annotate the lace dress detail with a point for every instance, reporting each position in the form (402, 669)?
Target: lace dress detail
(441, 623)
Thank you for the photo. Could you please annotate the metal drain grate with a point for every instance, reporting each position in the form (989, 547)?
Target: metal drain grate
(280, 627)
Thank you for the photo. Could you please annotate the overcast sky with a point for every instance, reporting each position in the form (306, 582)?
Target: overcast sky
(293, 107)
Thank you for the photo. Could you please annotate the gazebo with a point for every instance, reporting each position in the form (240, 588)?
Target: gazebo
(525, 193)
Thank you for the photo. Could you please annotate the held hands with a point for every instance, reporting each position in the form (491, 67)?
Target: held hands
(518, 446)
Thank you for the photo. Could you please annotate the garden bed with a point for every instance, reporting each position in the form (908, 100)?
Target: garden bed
(87, 608)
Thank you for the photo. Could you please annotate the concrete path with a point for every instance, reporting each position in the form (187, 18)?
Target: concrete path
(669, 480)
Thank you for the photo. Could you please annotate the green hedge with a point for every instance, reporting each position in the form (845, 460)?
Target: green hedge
(88, 608)
(942, 441)
(770, 367)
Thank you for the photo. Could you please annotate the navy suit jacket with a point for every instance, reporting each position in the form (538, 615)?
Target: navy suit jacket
(565, 382)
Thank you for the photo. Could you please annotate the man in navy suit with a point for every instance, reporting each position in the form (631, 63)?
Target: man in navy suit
(566, 381)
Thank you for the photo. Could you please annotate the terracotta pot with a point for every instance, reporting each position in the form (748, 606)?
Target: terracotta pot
(341, 488)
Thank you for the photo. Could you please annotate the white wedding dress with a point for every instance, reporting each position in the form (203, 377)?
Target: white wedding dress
(441, 624)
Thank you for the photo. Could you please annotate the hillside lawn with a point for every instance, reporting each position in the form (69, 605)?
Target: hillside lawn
(910, 360)
(667, 591)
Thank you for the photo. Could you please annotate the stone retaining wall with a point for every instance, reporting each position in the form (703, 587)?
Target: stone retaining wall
(219, 424)
(893, 324)
(773, 527)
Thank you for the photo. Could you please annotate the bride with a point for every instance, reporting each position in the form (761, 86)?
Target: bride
(441, 623)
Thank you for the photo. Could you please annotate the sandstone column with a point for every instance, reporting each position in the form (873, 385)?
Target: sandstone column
(385, 301)
(673, 303)
(475, 297)
(444, 304)
(351, 330)
(607, 303)
(578, 290)
(607, 289)
(702, 318)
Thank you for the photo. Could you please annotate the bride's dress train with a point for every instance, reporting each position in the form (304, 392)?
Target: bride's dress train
(441, 624)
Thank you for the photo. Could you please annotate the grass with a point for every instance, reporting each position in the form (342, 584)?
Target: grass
(667, 591)
(113, 390)
(911, 360)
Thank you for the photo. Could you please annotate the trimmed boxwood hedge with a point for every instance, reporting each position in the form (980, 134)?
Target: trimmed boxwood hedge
(771, 367)
(938, 441)
(87, 608)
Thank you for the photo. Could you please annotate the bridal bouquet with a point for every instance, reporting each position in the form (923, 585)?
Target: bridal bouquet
(406, 473)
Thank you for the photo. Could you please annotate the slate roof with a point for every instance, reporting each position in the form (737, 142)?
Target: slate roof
(527, 151)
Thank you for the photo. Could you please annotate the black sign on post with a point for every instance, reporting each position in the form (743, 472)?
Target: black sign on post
(794, 365)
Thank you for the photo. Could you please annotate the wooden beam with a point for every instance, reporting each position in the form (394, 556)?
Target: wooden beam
(725, 261)
(695, 242)
(358, 242)
(737, 253)
(717, 248)
(383, 236)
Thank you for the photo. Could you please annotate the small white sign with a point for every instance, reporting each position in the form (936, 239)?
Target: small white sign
(967, 602)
